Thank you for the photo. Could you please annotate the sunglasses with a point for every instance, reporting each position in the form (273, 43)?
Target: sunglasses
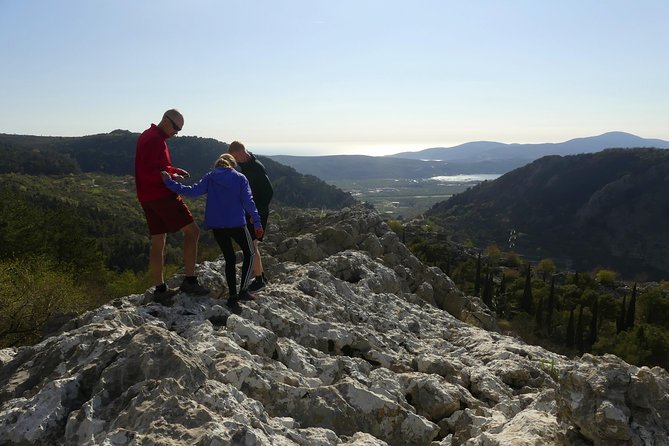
(174, 126)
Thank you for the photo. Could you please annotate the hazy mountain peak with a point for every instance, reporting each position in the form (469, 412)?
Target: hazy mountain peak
(478, 151)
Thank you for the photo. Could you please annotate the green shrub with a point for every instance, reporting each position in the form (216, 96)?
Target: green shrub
(654, 308)
(545, 268)
(32, 290)
(605, 277)
(645, 345)
(511, 259)
(396, 226)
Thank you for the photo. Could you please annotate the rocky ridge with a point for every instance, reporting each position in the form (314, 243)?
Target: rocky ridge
(354, 342)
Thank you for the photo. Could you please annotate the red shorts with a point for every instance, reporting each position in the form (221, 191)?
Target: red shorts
(168, 214)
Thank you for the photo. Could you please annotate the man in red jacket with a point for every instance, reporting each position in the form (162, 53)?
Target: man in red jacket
(165, 211)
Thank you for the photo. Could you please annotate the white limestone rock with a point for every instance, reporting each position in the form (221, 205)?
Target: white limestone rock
(350, 344)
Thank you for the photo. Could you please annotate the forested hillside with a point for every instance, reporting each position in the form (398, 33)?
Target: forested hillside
(73, 235)
(565, 311)
(114, 153)
(606, 209)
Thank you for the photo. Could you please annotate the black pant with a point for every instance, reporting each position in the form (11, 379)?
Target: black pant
(241, 235)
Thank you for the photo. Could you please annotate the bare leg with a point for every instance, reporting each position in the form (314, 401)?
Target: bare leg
(156, 256)
(257, 261)
(191, 235)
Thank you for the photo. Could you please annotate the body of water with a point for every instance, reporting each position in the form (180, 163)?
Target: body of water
(466, 178)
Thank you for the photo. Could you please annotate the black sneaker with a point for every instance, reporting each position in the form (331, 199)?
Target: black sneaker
(245, 295)
(164, 297)
(233, 301)
(193, 288)
(257, 284)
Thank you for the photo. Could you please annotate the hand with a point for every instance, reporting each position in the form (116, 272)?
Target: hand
(165, 175)
(259, 232)
(179, 178)
(183, 173)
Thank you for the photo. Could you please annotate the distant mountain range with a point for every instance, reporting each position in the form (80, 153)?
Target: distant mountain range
(357, 167)
(480, 151)
(469, 158)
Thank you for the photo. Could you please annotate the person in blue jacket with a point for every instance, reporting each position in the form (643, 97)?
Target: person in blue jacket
(229, 199)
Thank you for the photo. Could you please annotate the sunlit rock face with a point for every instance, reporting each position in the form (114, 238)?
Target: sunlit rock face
(354, 342)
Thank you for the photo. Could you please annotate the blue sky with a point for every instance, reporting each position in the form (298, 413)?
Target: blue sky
(345, 76)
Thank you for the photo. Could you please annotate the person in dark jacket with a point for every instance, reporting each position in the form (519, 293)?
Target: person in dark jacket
(229, 200)
(263, 192)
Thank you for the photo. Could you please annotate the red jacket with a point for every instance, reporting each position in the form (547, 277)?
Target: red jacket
(152, 156)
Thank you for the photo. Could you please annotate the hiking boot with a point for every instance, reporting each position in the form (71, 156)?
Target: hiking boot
(164, 297)
(258, 283)
(233, 302)
(193, 288)
(245, 295)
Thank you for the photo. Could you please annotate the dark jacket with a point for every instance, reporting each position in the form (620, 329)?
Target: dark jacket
(261, 187)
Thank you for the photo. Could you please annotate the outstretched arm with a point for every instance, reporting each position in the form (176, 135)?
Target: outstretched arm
(197, 189)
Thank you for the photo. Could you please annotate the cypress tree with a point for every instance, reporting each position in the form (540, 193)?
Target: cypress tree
(551, 304)
(539, 316)
(620, 322)
(491, 288)
(502, 285)
(487, 290)
(569, 341)
(592, 335)
(501, 297)
(579, 332)
(477, 282)
(526, 303)
(631, 310)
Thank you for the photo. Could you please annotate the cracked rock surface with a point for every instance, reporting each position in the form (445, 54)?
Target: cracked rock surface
(354, 342)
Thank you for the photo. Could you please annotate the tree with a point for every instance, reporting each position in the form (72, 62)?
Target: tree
(494, 254)
(569, 338)
(579, 331)
(526, 302)
(551, 304)
(487, 290)
(654, 308)
(644, 344)
(539, 316)
(477, 283)
(631, 310)
(608, 308)
(512, 260)
(501, 297)
(592, 334)
(545, 267)
(620, 322)
(605, 277)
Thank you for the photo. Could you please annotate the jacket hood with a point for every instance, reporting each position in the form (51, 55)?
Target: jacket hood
(222, 176)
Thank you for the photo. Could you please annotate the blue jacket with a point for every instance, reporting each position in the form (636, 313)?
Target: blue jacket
(229, 198)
